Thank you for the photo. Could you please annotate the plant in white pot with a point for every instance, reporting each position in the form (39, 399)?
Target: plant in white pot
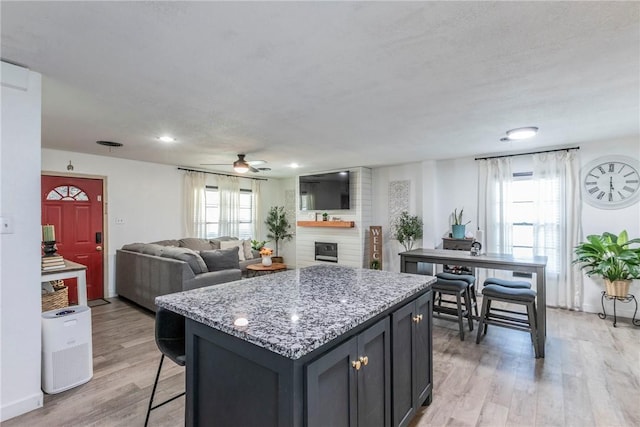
(611, 257)
(407, 229)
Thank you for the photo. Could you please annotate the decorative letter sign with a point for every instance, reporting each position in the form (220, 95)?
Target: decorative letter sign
(375, 247)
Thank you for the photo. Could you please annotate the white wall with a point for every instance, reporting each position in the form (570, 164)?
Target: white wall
(381, 177)
(146, 198)
(20, 251)
(597, 221)
(439, 187)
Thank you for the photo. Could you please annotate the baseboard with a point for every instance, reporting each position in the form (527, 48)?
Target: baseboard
(22, 406)
(623, 310)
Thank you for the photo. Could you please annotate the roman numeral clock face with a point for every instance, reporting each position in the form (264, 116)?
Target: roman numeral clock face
(611, 182)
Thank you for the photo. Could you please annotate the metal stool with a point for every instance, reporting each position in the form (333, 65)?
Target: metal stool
(514, 284)
(471, 281)
(171, 343)
(460, 289)
(493, 316)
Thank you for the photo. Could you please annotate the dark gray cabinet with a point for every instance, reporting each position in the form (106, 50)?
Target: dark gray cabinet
(412, 375)
(350, 384)
(231, 382)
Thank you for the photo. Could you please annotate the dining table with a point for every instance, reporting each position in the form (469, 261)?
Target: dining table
(410, 263)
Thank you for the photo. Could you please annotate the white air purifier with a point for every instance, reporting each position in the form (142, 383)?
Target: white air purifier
(67, 355)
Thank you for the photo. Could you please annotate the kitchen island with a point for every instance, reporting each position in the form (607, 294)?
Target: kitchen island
(322, 345)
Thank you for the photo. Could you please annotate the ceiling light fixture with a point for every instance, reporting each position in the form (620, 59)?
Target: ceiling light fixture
(166, 138)
(520, 133)
(109, 144)
(294, 165)
(240, 165)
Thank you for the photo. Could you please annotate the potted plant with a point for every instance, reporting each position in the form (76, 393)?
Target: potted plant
(256, 245)
(457, 227)
(407, 229)
(612, 258)
(278, 226)
(325, 216)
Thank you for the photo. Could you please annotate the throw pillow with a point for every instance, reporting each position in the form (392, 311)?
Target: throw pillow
(221, 259)
(246, 244)
(195, 244)
(194, 260)
(234, 244)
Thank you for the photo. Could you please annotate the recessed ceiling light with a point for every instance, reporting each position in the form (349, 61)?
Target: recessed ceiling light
(520, 133)
(166, 138)
(294, 165)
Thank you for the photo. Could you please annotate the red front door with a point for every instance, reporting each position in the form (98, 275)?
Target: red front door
(74, 207)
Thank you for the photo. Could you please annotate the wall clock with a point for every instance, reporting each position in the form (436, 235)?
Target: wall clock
(611, 182)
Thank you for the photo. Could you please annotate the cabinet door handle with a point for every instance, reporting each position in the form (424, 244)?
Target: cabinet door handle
(420, 317)
(356, 364)
(416, 319)
(364, 360)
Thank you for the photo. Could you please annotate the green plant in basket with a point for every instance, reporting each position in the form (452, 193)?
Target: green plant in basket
(611, 257)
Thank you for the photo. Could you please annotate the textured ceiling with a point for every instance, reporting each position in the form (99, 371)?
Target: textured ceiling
(327, 84)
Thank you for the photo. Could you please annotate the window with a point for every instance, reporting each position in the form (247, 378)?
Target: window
(67, 193)
(535, 218)
(212, 215)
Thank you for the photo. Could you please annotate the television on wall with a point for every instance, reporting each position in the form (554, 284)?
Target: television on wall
(325, 191)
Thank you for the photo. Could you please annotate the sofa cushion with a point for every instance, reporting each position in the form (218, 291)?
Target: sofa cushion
(167, 242)
(234, 244)
(221, 259)
(215, 244)
(195, 244)
(187, 255)
(246, 245)
(145, 248)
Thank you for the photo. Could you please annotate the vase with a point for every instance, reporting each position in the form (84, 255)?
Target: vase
(458, 231)
(266, 261)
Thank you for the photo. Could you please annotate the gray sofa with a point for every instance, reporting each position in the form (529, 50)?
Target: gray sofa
(147, 270)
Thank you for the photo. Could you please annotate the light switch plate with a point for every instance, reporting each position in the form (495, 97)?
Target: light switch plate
(6, 225)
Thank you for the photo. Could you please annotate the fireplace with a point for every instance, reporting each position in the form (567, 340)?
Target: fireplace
(326, 251)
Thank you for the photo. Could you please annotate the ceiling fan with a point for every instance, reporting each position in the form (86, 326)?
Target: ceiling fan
(241, 165)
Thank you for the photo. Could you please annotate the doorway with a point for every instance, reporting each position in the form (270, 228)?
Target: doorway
(75, 207)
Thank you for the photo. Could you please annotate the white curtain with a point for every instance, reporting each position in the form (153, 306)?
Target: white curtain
(557, 228)
(194, 192)
(229, 190)
(257, 221)
(494, 204)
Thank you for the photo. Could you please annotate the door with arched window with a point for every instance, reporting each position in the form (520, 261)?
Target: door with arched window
(74, 206)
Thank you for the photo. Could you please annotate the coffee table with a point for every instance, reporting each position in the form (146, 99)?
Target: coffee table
(254, 270)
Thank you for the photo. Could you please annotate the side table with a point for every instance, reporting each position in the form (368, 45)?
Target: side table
(626, 299)
(256, 269)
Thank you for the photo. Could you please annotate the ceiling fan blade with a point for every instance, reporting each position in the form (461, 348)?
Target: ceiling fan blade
(256, 162)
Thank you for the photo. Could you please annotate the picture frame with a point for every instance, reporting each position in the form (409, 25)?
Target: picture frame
(318, 216)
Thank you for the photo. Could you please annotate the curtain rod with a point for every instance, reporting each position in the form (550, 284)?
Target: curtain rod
(221, 174)
(526, 154)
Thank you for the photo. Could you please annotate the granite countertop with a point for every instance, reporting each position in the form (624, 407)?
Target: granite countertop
(294, 312)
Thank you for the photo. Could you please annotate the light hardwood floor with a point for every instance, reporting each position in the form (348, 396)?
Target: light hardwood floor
(590, 376)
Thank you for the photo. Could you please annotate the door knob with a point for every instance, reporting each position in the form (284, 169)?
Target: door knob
(356, 364)
(364, 360)
(98, 248)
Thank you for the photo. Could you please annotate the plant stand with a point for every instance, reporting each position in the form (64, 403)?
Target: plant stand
(626, 299)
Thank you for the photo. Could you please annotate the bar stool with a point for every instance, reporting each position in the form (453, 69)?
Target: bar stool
(514, 284)
(493, 316)
(471, 282)
(460, 289)
(171, 343)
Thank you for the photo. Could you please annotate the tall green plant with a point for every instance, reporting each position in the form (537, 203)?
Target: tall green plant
(609, 256)
(278, 226)
(407, 229)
